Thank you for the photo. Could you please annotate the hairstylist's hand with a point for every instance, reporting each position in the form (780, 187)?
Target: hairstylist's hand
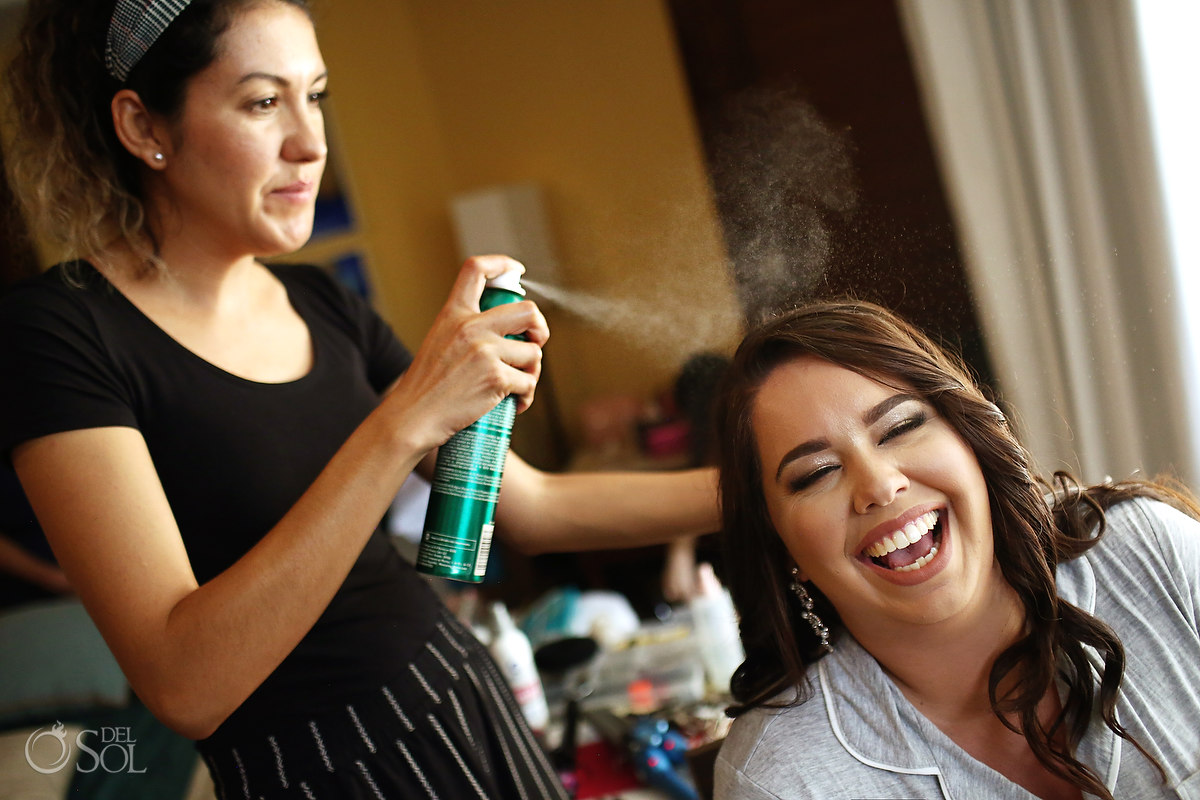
(466, 366)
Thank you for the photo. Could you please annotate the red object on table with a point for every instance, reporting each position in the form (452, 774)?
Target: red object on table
(603, 770)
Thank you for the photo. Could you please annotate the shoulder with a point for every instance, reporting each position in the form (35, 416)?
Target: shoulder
(69, 342)
(63, 285)
(1150, 552)
(1150, 531)
(788, 751)
(62, 304)
(1146, 587)
(758, 734)
(853, 735)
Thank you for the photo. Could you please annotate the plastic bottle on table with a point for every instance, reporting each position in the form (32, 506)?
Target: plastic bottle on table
(716, 627)
(514, 655)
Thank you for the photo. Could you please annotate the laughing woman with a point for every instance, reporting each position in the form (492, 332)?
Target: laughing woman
(922, 616)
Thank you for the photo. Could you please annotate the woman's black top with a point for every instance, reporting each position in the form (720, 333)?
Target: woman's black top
(233, 454)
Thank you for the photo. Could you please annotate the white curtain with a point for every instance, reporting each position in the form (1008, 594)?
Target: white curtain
(1038, 112)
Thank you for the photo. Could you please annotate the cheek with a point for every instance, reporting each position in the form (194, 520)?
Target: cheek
(808, 533)
(248, 162)
(232, 158)
(958, 463)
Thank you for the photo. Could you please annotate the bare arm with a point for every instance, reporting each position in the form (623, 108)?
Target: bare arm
(545, 512)
(193, 653)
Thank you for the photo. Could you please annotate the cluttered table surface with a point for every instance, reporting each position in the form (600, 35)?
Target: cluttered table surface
(626, 708)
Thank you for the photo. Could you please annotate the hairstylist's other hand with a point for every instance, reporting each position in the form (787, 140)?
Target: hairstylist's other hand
(466, 366)
(680, 582)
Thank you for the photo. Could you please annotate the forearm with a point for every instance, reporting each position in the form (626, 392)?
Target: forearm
(193, 652)
(545, 512)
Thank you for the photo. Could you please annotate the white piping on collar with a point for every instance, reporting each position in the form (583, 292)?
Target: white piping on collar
(835, 725)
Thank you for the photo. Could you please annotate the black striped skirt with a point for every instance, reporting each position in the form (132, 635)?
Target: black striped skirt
(446, 728)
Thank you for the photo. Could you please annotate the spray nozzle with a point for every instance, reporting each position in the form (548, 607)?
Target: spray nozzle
(509, 280)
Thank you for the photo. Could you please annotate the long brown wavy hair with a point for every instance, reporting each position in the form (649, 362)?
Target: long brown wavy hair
(1032, 536)
(79, 187)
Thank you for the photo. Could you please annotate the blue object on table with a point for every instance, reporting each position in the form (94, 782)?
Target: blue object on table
(655, 732)
(657, 752)
(654, 768)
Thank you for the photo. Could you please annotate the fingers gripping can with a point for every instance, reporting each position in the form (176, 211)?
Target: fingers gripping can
(457, 537)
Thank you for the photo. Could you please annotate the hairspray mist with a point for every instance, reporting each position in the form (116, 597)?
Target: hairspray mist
(466, 479)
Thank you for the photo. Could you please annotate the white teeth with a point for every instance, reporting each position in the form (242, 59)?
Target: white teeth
(920, 562)
(910, 534)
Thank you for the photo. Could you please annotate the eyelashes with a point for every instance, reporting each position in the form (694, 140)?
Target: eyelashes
(910, 424)
(268, 103)
(810, 478)
(907, 425)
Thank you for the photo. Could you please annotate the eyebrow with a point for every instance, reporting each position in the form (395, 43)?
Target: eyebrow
(276, 79)
(872, 415)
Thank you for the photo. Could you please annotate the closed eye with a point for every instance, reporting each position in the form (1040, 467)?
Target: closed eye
(810, 478)
(905, 426)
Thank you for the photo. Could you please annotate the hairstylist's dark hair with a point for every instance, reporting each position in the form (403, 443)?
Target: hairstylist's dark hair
(80, 188)
(1031, 534)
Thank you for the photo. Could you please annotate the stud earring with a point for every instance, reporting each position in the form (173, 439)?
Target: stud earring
(806, 602)
(158, 158)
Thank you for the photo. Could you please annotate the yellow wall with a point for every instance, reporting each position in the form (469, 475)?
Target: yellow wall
(385, 134)
(586, 99)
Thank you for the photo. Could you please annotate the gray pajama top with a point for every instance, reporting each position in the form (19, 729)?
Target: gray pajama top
(858, 738)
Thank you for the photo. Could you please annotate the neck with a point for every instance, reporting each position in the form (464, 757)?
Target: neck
(943, 669)
(189, 278)
(199, 266)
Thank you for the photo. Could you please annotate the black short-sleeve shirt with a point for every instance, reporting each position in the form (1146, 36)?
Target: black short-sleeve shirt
(233, 455)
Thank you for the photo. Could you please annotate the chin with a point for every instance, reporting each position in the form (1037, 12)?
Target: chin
(282, 236)
(282, 245)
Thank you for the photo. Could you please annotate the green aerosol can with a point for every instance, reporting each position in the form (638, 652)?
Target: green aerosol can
(457, 538)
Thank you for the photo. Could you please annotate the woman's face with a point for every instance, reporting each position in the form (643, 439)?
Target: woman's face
(880, 502)
(249, 149)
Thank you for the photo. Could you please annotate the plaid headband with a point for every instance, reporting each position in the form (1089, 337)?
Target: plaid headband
(135, 26)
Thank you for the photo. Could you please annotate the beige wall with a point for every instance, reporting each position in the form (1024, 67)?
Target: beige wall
(588, 100)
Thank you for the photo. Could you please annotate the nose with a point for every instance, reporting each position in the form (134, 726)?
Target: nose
(877, 482)
(306, 141)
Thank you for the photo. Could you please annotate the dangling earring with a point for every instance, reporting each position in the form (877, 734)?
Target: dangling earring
(806, 602)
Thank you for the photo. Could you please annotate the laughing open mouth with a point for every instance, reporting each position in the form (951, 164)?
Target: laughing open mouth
(911, 547)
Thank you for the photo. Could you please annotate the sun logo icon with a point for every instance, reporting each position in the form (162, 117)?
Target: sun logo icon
(58, 733)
